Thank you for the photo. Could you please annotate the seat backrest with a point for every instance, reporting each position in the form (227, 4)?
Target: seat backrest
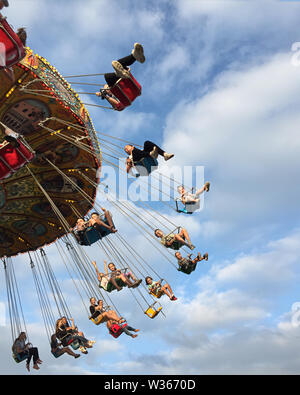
(151, 312)
(18, 358)
(187, 270)
(116, 330)
(126, 90)
(13, 158)
(91, 236)
(111, 287)
(97, 320)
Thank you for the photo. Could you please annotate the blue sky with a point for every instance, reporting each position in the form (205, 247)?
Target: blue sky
(220, 91)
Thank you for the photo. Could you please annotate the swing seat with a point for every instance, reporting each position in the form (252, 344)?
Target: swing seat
(97, 320)
(116, 330)
(92, 235)
(160, 293)
(57, 353)
(19, 359)
(13, 158)
(14, 50)
(110, 287)
(126, 90)
(145, 166)
(66, 340)
(157, 295)
(188, 208)
(152, 312)
(187, 270)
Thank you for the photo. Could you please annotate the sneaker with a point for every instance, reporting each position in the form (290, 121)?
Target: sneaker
(137, 283)
(173, 297)
(119, 69)
(91, 342)
(138, 52)
(192, 246)
(168, 156)
(77, 356)
(207, 186)
(154, 153)
(83, 350)
(205, 256)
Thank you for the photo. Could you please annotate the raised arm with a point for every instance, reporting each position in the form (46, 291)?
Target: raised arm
(97, 271)
(105, 267)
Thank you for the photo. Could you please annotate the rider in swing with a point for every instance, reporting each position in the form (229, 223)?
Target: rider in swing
(121, 68)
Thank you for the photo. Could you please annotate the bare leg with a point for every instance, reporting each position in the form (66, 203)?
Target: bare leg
(111, 315)
(109, 220)
(69, 352)
(130, 275)
(185, 235)
(113, 281)
(200, 191)
(101, 223)
(126, 280)
(166, 291)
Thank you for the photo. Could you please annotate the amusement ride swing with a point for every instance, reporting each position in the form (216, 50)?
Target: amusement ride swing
(49, 176)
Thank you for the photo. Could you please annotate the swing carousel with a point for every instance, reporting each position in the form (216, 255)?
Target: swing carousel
(49, 177)
(37, 93)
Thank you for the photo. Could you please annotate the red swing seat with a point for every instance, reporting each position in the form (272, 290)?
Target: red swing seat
(116, 329)
(13, 47)
(126, 90)
(12, 158)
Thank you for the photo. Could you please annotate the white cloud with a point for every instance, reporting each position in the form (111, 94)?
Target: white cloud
(243, 131)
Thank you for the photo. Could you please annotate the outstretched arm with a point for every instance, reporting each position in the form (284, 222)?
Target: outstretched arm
(97, 271)
(105, 267)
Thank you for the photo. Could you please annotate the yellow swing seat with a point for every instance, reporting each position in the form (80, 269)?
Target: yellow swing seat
(152, 312)
(97, 320)
(157, 295)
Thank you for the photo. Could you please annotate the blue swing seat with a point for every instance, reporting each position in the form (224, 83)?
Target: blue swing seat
(188, 208)
(18, 358)
(146, 165)
(92, 235)
(75, 345)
